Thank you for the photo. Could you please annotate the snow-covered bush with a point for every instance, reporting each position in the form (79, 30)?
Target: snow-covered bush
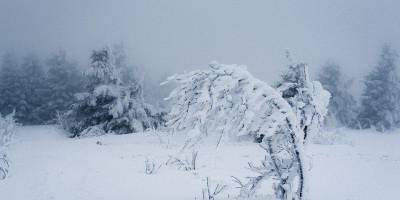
(228, 100)
(7, 129)
(110, 104)
(308, 99)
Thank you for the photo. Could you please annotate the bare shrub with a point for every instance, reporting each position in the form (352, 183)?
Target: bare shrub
(151, 167)
(187, 164)
(7, 130)
(4, 166)
(210, 192)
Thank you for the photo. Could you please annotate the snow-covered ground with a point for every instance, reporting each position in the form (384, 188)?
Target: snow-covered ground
(46, 165)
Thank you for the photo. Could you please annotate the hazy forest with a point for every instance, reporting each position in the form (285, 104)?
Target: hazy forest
(141, 100)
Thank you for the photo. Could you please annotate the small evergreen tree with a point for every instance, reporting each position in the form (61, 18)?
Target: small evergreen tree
(381, 96)
(110, 105)
(342, 109)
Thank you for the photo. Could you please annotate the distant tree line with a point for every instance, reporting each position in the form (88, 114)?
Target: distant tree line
(42, 90)
(37, 89)
(379, 106)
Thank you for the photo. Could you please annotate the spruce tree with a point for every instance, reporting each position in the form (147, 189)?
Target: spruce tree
(32, 109)
(63, 81)
(381, 96)
(11, 94)
(342, 109)
(110, 105)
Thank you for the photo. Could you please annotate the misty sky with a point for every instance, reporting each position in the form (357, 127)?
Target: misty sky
(168, 36)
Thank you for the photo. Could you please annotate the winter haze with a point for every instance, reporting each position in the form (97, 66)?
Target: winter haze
(165, 37)
(151, 100)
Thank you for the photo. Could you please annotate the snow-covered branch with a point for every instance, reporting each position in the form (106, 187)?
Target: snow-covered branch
(308, 99)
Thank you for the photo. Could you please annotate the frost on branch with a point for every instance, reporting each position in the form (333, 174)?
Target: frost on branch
(228, 100)
(308, 99)
(7, 129)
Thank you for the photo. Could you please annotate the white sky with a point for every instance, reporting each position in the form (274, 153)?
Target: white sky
(168, 36)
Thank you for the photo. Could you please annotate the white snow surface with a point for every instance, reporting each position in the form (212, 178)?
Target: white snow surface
(45, 165)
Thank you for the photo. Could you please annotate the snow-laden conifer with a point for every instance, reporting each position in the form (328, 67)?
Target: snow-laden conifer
(110, 105)
(11, 85)
(31, 108)
(380, 103)
(343, 109)
(63, 81)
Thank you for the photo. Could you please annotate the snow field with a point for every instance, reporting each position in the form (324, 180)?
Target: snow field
(46, 165)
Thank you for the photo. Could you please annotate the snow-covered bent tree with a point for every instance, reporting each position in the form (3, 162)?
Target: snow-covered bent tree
(308, 99)
(7, 129)
(228, 100)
